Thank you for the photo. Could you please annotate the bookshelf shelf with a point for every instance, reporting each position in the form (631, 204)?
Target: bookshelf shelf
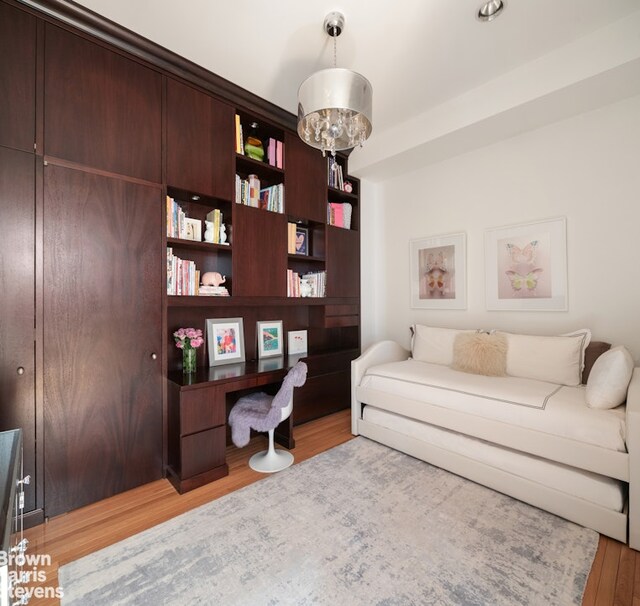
(207, 246)
(343, 195)
(250, 165)
(202, 301)
(309, 258)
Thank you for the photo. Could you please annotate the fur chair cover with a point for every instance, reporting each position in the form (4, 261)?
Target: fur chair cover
(262, 412)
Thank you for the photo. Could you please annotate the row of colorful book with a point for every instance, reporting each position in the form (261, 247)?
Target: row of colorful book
(249, 193)
(336, 178)
(339, 214)
(311, 284)
(215, 217)
(274, 147)
(182, 276)
(176, 224)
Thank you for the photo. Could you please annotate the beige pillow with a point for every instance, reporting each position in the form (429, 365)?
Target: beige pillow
(609, 378)
(480, 354)
(551, 359)
(434, 345)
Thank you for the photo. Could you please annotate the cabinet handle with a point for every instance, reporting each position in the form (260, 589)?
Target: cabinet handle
(20, 370)
(154, 356)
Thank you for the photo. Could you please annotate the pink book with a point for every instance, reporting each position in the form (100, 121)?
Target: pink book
(279, 154)
(338, 214)
(271, 152)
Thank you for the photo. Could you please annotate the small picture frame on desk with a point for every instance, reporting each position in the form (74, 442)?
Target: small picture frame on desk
(297, 342)
(302, 241)
(225, 338)
(193, 229)
(270, 339)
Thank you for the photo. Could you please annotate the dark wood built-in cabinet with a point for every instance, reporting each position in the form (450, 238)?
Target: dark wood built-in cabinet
(89, 366)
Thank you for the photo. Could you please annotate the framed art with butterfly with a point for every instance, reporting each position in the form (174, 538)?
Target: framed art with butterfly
(526, 266)
(438, 272)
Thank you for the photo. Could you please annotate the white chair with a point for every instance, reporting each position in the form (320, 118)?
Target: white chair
(262, 412)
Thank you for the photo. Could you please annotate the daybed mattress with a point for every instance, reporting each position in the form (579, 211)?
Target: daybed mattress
(594, 488)
(554, 409)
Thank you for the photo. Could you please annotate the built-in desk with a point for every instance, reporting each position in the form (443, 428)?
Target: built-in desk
(198, 408)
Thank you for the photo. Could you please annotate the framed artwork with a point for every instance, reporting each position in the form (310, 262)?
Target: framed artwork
(297, 342)
(225, 338)
(193, 229)
(526, 266)
(302, 241)
(270, 339)
(438, 272)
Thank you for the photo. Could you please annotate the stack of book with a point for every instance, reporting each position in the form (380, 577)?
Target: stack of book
(311, 284)
(176, 227)
(272, 198)
(339, 214)
(213, 291)
(215, 217)
(182, 276)
(275, 152)
(335, 174)
(239, 137)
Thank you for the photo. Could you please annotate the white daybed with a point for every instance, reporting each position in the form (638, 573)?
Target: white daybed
(527, 438)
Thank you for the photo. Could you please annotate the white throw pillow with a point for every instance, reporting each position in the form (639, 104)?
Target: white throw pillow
(551, 359)
(434, 345)
(609, 378)
(587, 339)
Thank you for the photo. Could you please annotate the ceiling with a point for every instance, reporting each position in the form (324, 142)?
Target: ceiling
(418, 54)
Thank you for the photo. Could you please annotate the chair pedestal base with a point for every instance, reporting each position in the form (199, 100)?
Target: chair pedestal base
(271, 460)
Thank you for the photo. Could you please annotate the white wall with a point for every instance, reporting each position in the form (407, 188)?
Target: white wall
(586, 168)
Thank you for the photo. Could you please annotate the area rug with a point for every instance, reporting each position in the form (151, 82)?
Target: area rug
(358, 524)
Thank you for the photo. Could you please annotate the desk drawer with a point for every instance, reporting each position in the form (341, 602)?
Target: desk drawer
(202, 451)
(201, 409)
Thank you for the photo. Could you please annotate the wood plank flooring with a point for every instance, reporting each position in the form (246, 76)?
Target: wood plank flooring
(614, 577)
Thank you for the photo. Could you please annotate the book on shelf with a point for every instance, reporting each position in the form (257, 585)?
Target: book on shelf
(239, 137)
(291, 238)
(336, 177)
(249, 193)
(215, 218)
(176, 227)
(339, 214)
(311, 284)
(279, 154)
(182, 276)
(275, 152)
(213, 291)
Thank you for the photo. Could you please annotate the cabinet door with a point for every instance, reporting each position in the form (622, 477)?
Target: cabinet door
(259, 253)
(101, 109)
(200, 142)
(17, 387)
(305, 180)
(343, 262)
(18, 78)
(103, 263)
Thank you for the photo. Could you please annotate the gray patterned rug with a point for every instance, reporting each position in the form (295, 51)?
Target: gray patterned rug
(358, 524)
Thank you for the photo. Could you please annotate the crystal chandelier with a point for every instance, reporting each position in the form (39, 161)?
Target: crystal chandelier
(334, 105)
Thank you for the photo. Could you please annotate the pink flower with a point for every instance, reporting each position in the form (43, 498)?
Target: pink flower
(196, 342)
(180, 333)
(180, 344)
(190, 332)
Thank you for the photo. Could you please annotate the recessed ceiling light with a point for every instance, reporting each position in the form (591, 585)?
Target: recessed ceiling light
(490, 10)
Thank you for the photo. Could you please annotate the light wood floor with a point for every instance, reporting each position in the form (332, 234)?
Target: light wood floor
(614, 578)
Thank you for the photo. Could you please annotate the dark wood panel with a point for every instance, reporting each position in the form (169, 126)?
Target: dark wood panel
(202, 409)
(305, 180)
(260, 263)
(202, 452)
(17, 391)
(103, 263)
(320, 396)
(343, 262)
(200, 142)
(18, 78)
(101, 109)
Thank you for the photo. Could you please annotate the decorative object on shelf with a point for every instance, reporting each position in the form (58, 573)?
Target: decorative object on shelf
(208, 231)
(188, 340)
(297, 342)
(302, 241)
(438, 272)
(269, 338)
(225, 340)
(212, 285)
(192, 229)
(348, 187)
(223, 234)
(526, 266)
(253, 147)
(334, 105)
(213, 278)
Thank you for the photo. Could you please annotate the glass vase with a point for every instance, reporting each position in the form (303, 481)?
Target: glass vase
(188, 360)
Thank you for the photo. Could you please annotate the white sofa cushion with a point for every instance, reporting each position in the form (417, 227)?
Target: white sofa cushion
(609, 378)
(552, 359)
(434, 345)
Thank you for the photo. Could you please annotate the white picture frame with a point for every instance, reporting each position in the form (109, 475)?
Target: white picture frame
(269, 338)
(225, 341)
(296, 342)
(526, 266)
(192, 229)
(438, 266)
